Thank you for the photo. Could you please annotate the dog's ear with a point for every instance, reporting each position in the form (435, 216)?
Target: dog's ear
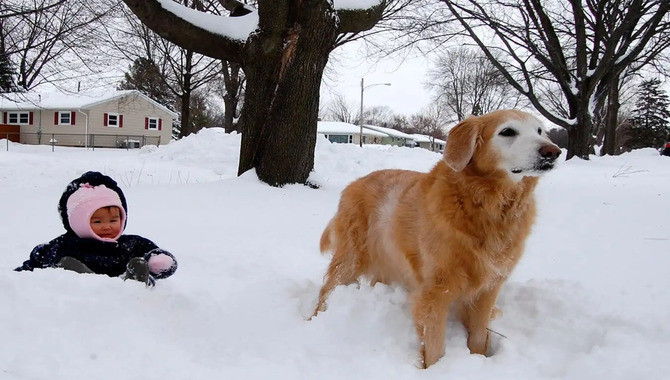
(461, 144)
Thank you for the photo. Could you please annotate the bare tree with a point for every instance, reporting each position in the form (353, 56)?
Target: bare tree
(14, 9)
(573, 45)
(340, 110)
(283, 60)
(429, 122)
(49, 41)
(467, 83)
(183, 70)
(377, 115)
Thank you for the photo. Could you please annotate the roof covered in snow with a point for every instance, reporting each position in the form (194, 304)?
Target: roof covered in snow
(26, 101)
(340, 127)
(391, 132)
(426, 139)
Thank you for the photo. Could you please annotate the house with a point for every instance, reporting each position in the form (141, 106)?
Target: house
(341, 132)
(393, 137)
(127, 119)
(428, 142)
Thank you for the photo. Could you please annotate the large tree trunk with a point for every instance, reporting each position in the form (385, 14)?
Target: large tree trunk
(611, 118)
(283, 75)
(283, 61)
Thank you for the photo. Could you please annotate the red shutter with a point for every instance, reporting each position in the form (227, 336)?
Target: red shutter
(30, 118)
(56, 118)
(4, 118)
(120, 121)
(72, 117)
(160, 124)
(105, 124)
(146, 123)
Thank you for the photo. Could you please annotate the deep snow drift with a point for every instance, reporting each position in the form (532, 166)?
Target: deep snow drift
(589, 299)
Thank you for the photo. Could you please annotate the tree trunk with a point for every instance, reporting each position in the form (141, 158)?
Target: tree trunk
(279, 116)
(186, 125)
(579, 136)
(611, 118)
(232, 84)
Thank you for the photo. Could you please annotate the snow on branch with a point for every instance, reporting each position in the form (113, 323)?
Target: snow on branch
(235, 28)
(355, 4)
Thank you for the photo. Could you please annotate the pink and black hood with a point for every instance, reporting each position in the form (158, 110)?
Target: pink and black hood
(83, 196)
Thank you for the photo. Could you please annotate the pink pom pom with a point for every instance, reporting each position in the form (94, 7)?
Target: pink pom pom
(160, 263)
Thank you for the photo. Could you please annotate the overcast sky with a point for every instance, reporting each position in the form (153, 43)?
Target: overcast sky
(406, 95)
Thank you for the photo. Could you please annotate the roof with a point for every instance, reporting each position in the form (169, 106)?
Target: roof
(426, 139)
(333, 127)
(26, 101)
(391, 132)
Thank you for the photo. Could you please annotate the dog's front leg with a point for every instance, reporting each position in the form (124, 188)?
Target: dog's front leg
(430, 310)
(476, 317)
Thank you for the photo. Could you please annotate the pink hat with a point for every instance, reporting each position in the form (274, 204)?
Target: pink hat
(87, 200)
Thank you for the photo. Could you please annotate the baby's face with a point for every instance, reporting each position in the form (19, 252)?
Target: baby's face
(106, 222)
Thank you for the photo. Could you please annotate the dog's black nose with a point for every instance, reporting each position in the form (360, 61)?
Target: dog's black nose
(550, 152)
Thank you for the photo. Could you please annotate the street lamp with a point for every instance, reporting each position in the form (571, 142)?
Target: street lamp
(363, 87)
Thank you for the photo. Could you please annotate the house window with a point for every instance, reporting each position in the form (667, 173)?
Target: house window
(18, 118)
(153, 123)
(113, 120)
(341, 139)
(64, 118)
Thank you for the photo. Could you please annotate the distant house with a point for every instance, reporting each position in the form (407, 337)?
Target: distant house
(347, 133)
(116, 119)
(430, 143)
(394, 137)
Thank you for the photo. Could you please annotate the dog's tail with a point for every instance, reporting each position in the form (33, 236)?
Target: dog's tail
(327, 238)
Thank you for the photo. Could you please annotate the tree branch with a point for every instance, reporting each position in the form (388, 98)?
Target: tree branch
(183, 33)
(358, 20)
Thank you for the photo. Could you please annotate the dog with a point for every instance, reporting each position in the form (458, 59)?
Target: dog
(451, 236)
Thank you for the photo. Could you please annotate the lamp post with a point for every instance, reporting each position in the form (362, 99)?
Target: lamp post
(363, 87)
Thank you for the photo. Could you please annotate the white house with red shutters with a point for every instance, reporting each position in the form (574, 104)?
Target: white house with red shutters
(114, 119)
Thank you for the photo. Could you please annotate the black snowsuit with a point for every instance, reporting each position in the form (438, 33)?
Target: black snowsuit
(101, 257)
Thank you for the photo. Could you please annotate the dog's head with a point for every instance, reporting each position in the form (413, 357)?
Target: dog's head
(506, 140)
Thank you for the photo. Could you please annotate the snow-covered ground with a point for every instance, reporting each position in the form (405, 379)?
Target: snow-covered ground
(589, 300)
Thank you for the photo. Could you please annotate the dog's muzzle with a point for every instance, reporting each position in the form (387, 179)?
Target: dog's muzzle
(548, 155)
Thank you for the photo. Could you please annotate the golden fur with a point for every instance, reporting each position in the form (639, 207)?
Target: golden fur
(451, 236)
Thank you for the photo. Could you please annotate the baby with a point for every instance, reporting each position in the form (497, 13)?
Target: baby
(93, 210)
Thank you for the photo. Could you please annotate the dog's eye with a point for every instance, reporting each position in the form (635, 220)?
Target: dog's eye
(539, 131)
(508, 132)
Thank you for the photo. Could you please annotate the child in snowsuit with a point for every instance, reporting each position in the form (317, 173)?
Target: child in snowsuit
(93, 210)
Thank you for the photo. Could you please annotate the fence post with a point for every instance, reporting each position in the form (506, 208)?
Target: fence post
(159, 141)
(7, 137)
(93, 141)
(53, 141)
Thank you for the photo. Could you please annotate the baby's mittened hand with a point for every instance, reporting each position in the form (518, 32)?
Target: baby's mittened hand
(160, 263)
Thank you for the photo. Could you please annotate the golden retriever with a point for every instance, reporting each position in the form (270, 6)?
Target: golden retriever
(450, 236)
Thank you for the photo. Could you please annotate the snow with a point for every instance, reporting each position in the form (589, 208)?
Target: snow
(334, 127)
(56, 100)
(426, 139)
(355, 4)
(236, 28)
(587, 301)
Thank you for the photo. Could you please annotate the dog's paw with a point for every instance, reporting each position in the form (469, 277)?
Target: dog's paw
(496, 313)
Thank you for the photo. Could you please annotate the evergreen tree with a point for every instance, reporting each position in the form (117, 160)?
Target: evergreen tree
(651, 117)
(6, 68)
(6, 75)
(144, 76)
